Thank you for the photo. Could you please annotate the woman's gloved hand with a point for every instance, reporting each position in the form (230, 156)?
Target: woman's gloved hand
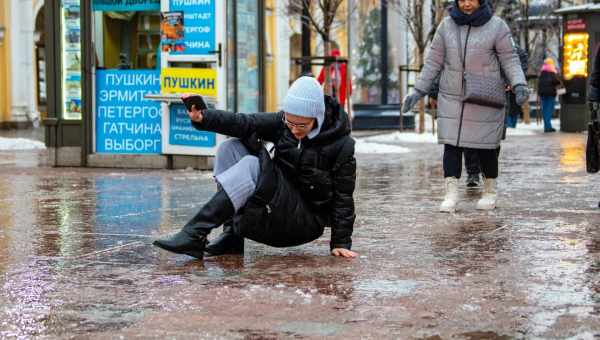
(411, 100)
(521, 94)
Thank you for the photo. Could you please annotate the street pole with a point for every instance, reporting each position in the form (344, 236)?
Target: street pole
(526, 113)
(306, 50)
(526, 30)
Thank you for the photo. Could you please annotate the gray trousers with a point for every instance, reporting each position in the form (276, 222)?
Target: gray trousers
(236, 171)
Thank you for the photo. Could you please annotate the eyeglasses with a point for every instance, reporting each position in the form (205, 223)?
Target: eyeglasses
(300, 126)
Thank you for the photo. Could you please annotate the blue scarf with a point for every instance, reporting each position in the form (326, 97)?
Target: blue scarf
(478, 18)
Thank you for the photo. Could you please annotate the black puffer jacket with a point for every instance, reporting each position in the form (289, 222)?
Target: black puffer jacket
(307, 186)
(595, 79)
(547, 84)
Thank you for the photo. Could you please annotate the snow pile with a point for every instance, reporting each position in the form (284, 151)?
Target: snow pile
(405, 137)
(520, 132)
(20, 144)
(531, 129)
(363, 146)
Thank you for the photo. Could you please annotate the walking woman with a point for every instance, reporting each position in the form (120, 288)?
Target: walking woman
(470, 41)
(547, 85)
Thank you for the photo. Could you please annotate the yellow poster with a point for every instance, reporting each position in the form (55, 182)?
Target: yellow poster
(202, 81)
(575, 53)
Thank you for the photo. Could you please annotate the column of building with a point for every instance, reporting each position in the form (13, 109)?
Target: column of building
(22, 82)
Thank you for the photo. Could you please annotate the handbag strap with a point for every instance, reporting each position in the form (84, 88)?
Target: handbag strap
(463, 58)
(460, 49)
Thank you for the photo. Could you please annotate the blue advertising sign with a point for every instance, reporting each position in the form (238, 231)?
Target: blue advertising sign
(199, 27)
(126, 5)
(182, 132)
(126, 123)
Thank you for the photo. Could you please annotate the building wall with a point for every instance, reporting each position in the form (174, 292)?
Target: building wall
(17, 63)
(271, 99)
(22, 84)
(5, 101)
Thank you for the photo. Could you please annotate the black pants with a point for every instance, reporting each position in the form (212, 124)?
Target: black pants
(472, 161)
(488, 161)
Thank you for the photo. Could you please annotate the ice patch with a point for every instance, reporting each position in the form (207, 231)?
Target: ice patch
(387, 287)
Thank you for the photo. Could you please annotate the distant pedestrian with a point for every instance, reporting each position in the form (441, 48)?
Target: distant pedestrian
(282, 201)
(594, 95)
(547, 86)
(338, 76)
(514, 110)
(470, 40)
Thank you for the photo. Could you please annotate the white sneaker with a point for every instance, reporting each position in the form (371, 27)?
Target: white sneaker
(488, 199)
(451, 198)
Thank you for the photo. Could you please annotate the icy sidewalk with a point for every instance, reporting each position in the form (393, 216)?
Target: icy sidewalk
(76, 260)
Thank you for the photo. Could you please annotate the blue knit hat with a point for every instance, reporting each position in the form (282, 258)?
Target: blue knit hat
(305, 98)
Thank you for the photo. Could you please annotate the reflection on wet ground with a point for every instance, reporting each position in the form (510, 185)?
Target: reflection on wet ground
(76, 259)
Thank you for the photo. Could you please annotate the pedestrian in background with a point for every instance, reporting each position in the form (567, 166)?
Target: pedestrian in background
(338, 76)
(286, 200)
(594, 95)
(470, 40)
(514, 110)
(548, 82)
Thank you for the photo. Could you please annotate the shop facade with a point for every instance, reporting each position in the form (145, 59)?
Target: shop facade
(579, 45)
(117, 68)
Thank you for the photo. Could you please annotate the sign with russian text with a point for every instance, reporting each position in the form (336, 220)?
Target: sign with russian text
(199, 29)
(126, 122)
(126, 5)
(181, 131)
(576, 25)
(202, 81)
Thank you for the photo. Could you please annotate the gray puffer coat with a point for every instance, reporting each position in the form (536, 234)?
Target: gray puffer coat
(488, 49)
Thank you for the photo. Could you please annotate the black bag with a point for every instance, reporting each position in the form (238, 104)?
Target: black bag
(592, 149)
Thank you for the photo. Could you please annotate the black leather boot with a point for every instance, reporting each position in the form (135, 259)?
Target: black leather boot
(191, 240)
(226, 243)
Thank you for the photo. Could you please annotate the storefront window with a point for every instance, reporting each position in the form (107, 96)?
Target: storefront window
(129, 40)
(71, 59)
(366, 52)
(127, 47)
(397, 36)
(231, 83)
(247, 55)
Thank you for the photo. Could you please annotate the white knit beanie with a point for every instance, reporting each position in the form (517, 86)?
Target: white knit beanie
(305, 98)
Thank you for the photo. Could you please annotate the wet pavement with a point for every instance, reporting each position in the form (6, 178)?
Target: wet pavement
(76, 260)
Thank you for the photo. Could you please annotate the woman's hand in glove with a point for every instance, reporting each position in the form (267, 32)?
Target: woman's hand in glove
(411, 100)
(521, 94)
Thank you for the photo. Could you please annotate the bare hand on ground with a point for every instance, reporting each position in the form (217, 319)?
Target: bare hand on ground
(343, 252)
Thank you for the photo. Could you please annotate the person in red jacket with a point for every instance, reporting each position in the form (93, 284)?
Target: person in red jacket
(337, 75)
